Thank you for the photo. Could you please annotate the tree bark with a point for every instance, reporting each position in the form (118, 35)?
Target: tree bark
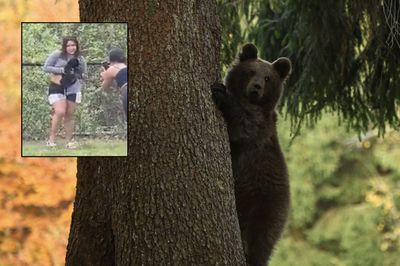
(171, 201)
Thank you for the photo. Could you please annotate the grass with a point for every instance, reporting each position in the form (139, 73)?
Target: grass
(86, 147)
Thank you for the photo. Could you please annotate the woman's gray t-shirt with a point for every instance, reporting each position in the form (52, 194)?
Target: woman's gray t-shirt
(55, 64)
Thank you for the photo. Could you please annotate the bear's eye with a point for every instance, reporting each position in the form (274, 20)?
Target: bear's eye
(266, 78)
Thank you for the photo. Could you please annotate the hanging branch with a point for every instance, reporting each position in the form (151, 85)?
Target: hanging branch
(392, 16)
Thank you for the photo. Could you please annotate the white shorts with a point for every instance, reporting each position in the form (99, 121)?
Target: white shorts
(54, 97)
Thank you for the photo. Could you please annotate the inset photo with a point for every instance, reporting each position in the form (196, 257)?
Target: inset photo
(74, 89)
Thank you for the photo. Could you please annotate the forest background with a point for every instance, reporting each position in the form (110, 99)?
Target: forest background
(345, 180)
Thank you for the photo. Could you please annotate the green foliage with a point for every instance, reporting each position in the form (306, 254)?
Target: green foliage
(344, 56)
(100, 111)
(229, 20)
(35, 109)
(298, 252)
(350, 232)
(95, 39)
(345, 197)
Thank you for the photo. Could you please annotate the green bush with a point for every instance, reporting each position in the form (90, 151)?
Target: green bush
(345, 198)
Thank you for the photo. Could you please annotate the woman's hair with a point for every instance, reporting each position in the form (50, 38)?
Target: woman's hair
(117, 55)
(64, 45)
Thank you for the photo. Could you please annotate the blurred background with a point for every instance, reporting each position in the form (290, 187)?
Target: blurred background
(36, 194)
(345, 179)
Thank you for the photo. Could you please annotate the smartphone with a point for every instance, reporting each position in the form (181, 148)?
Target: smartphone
(105, 65)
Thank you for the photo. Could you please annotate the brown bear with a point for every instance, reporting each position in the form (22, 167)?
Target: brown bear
(247, 101)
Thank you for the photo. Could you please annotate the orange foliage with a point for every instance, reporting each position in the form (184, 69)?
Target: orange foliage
(36, 194)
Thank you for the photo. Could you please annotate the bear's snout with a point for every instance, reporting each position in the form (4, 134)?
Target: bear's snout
(255, 91)
(257, 87)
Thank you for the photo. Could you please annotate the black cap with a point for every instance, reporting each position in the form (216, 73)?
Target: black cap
(116, 55)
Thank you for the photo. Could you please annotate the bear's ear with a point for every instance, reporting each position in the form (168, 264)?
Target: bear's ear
(283, 66)
(249, 51)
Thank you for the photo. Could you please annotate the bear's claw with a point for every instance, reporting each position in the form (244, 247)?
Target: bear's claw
(218, 91)
(218, 87)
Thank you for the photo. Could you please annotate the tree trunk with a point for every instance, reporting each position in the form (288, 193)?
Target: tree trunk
(171, 201)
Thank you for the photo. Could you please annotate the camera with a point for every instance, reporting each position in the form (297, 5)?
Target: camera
(106, 65)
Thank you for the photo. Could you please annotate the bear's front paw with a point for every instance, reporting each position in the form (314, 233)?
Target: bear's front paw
(218, 87)
(218, 91)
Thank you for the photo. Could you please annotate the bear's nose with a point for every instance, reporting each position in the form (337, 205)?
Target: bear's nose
(257, 86)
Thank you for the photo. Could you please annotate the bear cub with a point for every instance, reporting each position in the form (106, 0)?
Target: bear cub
(70, 71)
(247, 102)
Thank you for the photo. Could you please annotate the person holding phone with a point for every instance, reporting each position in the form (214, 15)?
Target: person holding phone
(116, 71)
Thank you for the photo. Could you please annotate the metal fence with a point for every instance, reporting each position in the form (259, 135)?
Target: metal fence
(99, 115)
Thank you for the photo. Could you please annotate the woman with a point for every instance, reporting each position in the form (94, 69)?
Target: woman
(66, 68)
(117, 71)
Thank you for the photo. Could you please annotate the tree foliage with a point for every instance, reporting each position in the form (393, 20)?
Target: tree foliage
(344, 54)
(345, 198)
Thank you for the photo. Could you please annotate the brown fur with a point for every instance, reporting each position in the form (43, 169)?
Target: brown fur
(247, 102)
